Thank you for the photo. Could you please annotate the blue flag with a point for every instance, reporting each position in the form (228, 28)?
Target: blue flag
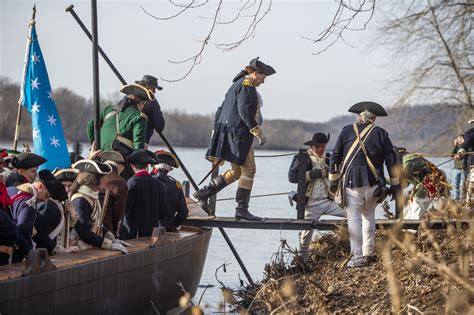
(36, 95)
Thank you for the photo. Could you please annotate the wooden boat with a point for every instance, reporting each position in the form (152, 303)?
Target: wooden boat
(96, 281)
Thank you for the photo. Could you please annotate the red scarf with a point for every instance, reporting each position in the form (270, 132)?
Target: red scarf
(142, 173)
(5, 200)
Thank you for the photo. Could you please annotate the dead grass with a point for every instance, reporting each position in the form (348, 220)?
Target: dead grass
(431, 272)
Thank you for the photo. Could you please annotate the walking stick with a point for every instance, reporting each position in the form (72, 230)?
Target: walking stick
(70, 9)
(210, 172)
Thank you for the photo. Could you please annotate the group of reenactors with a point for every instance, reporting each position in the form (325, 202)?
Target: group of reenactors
(112, 197)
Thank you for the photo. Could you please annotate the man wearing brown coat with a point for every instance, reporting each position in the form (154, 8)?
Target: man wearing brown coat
(117, 188)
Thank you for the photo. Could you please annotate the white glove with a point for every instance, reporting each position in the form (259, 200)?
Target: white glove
(117, 241)
(119, 247)
(261, 138)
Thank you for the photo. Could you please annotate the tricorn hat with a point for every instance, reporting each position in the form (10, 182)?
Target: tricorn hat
(318, 138)
(65, 174)
(138, 90)
(150, 80)
(54, 186)
(142, 156)
(114, 156)
(261, 67)
(372, 107)
(167, 158)
(93, 167)
(27, 160)
(470, 121)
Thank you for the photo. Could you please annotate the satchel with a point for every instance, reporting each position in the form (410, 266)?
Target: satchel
(121, 143)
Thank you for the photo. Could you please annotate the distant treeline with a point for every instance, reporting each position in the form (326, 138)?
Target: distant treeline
(427, 128)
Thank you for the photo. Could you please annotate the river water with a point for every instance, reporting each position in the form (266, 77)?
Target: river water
(255, 247)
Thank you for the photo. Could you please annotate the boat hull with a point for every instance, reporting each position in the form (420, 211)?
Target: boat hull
(125, 284)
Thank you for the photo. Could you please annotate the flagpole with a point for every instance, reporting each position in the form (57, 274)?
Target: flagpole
(95, 71)
(20, 101)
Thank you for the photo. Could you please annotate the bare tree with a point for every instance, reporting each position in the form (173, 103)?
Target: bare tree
(433, 41)
(350, 15)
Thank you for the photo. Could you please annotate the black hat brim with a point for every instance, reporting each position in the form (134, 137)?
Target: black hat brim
(55, 188)
(372, 107)
(261, 67)
(167, 158)
(66, 174)
(27, 160)
(138, 90)
(142, 156)
(111, 156)
(156, 86)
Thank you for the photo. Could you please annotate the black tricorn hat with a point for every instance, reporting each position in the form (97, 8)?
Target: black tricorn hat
(261, 67)
(318, 138)
(372, 107)
(65, 174)
(114, 156)
(142, 156)
(138, 90)
(54, 186)
(94, 167)
(27, 160)
(150, 80)
(167, 158)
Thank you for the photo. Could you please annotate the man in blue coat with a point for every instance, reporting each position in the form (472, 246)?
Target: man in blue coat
(178, 210)
(152, 109)
(235, 126)
(356, 164)
(468, 146)
(26, 198)
(146, 201)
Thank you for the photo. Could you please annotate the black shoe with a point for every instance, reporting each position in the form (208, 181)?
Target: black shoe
(292, 196)
(203, 194)
(242, 211)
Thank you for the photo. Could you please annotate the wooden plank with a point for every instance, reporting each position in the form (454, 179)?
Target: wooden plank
(323, 225)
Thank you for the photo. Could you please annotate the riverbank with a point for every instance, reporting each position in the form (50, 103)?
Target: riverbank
(430, 272)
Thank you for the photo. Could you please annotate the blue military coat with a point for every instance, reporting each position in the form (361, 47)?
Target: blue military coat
(231, 139)
(83, 225)
(146, 205)
(48, 218)
(379, 149)
(178, 211)
(156, 121)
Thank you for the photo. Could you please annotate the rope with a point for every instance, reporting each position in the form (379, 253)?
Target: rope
(255, 196)
(275, 155)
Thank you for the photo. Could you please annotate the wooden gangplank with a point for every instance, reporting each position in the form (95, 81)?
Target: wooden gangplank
(322, 225)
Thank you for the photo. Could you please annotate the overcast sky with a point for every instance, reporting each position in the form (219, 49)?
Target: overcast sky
(306, 86)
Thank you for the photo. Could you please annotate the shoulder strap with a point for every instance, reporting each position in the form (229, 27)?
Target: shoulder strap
(117, 125)
(351, 154)
(362, 146)
(81, 195)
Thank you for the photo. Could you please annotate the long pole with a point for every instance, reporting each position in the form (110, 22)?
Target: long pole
(25, 65)
(70, 9)
(95, 74)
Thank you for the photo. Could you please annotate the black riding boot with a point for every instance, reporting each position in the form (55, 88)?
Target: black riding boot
(242, 211)
(203, 194)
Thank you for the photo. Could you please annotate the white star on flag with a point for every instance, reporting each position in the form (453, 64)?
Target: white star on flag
(54, 142)
(50, 95)
(51, 120)
(35, 84)
(35, 108)
(35, 58)
(35, 133)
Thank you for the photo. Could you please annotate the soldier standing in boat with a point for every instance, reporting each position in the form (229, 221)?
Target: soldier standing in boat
(152, 109)
(123, 129)
(235, 126)
(356, 175)
(178, 210)
(317, 198)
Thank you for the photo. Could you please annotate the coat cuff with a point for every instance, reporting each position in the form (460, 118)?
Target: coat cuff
(308, 178)
(333, 177)
(256, 131)
(107, 244)
(461, 151)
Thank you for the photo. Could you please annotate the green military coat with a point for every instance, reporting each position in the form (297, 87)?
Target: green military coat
(413, 165)
(132, 124)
